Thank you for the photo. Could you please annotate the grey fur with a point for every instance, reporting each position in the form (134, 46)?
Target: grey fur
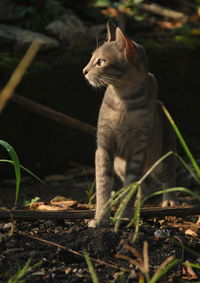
(132, 130)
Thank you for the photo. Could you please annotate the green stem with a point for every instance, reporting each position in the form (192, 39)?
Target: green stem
(182, 141)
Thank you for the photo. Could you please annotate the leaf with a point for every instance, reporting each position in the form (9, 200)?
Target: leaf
(24, 168)
(163, 268)
(181, 140)
(188, 272)
(16, 164)
(91, 268)
(190, 232)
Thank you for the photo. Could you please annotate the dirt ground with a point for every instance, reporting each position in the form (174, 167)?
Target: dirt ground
(53, 249)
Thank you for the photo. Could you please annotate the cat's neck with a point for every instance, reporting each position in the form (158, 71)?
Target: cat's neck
(129, 85)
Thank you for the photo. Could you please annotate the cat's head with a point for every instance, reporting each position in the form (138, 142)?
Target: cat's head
(115, 59)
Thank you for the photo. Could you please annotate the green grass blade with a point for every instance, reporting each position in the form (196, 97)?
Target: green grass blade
(149, 171)
(91, 268)
(194, 265)
(157, 276)
(16, 278)
(178, 189)
(136, 218)
(154, 166)
(189, 250)
(115, 198)
(21, 273)
(24, 168)
(187, 167)
(137, 208)
(132, 188)
(182, 141)
(15, 159)
(176, 242)
(127, 194)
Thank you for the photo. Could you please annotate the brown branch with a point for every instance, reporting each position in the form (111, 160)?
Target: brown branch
(46, 214)
(53, 114)
(70, 250)
(161, 11)
(88, 214)
(18, 74)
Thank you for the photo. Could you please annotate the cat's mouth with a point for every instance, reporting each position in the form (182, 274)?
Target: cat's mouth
(96, 82)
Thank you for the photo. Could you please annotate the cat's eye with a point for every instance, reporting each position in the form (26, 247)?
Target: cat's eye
(100, 62)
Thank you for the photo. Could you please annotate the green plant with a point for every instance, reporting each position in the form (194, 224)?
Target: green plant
(16, 164)
(90, 192)
(112, 9)
(30, 202)
(182, 141)
(17, 167)
(18, 277)
(91, 268)
(142, 262)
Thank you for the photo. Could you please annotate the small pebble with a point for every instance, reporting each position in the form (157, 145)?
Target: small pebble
(161, 233)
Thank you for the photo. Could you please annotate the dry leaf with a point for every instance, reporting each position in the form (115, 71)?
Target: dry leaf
(111, 12)
(169, 25)
(59, 203)
(64, 203)
(35, 205)
(132, 274)
(191, 232)
(48, 207)
(188, 272)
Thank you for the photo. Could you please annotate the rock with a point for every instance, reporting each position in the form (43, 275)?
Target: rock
(69, 30)
(21, 38)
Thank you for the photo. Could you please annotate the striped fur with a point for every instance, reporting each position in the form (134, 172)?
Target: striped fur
(132, 132)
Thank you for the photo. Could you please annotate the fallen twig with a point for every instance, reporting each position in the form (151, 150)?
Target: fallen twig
(53, 114)
(72, 251)
(18, 74)
(162, 11)
(88, 214)
(76, 173)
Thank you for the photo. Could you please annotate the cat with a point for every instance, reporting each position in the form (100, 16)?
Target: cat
(132, 130)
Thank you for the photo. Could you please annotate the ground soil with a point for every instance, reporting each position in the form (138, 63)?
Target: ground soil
(57, 246)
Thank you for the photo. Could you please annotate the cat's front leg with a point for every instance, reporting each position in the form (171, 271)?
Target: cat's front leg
(104, 183)
(134, 171)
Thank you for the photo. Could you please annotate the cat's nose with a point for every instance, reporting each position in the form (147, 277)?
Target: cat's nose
(85, 71)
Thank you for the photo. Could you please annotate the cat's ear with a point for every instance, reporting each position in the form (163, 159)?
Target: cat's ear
(125, 43)
(111, 30)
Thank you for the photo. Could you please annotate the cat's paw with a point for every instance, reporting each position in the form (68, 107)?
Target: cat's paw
(169, 200)
(169, 203)
(95, 223)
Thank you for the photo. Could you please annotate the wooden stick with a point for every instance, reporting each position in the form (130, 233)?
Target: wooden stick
(161, 11)
(45, 214)
(51, 243)
(18, 74)
(88, 214)
(53, 114)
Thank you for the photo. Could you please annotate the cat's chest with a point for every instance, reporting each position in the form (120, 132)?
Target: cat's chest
(120, 125)
(113, 112)
(116, 114)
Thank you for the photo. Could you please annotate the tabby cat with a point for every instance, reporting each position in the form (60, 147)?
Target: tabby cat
(132, 130)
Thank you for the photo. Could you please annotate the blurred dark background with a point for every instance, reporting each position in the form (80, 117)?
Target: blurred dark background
(71, 30)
